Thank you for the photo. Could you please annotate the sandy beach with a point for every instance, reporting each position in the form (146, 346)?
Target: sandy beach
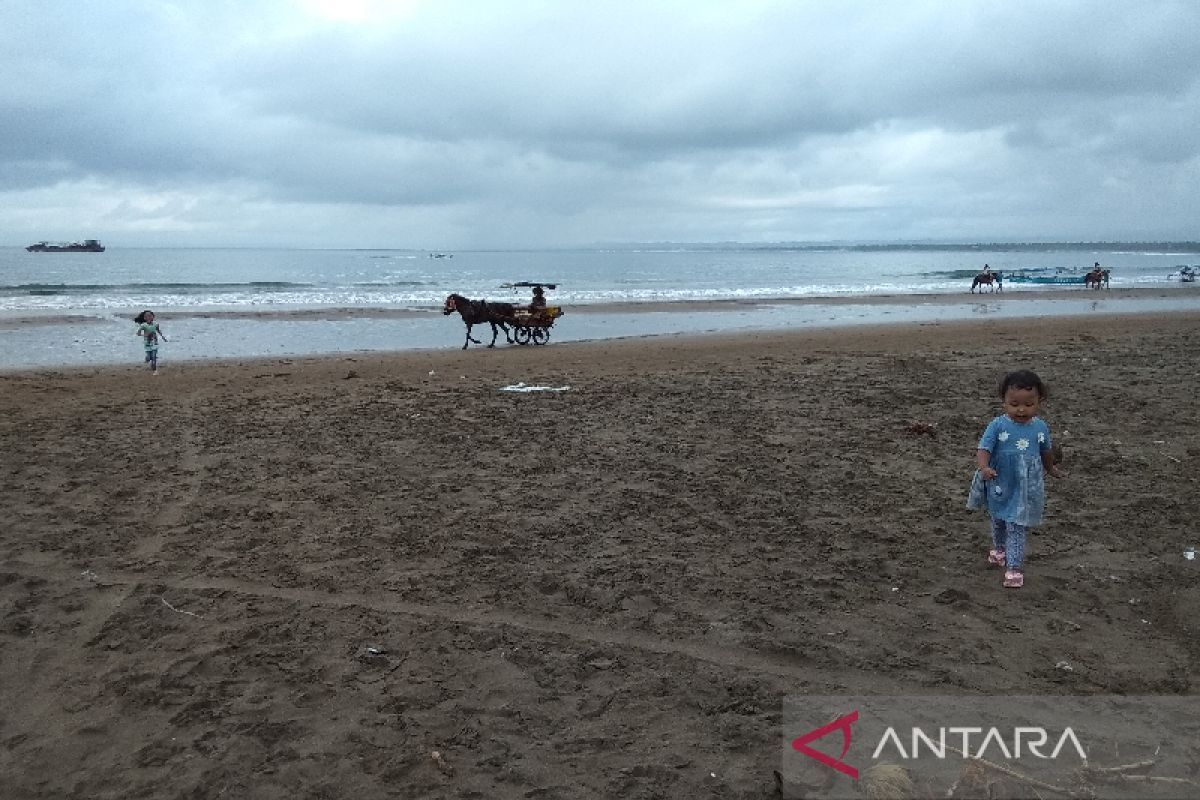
(382, 576)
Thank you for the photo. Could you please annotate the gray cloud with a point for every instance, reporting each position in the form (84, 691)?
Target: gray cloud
(543, 124)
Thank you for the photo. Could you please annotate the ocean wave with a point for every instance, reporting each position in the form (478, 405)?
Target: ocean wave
(164, 298)
(182, 288)
(386, 284)
(968, 274)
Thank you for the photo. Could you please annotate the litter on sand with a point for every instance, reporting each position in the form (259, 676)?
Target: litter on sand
(179, 610)
(521, 387)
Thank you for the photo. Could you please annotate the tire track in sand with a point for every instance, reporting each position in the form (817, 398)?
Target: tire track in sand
(192, 467)
(800, 668)
(108, 596)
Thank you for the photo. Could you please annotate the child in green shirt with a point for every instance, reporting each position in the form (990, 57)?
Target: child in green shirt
(149, 330)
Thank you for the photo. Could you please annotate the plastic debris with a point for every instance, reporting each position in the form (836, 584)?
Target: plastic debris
(179, 610)
(441, 762)
(521, 387)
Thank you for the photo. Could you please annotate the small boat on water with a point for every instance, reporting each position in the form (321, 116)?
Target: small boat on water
(86, 246)
(528, 285)
(1050, 280)
(1185, 274)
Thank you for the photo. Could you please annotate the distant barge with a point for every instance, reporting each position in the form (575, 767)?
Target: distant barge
(86, 246)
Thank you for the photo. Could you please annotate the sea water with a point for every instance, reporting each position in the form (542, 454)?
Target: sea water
(107, 289)
(247, 278)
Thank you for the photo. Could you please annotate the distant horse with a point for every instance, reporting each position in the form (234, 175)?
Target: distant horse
(477, 312)
(1096, 279)
(987, 279)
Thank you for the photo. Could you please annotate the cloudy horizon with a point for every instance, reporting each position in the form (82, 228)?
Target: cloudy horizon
(460, 125)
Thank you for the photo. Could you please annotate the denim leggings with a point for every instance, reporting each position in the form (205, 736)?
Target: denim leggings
(1010, 537)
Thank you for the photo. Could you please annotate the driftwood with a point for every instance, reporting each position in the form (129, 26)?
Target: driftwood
(918, 428)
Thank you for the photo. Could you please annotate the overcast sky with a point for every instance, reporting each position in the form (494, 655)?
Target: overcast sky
(445, 124)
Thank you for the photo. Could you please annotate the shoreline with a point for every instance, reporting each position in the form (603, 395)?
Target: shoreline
(1012, 295)
(203, 335)
(895, 336)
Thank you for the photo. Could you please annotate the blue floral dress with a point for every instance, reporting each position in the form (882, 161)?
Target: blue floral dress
(1018, 492)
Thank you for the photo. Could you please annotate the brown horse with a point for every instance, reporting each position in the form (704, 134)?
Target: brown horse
(987, 279)
(477, 312)
(1096, 279)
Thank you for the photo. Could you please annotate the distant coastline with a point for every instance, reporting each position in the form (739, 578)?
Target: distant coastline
(1181, 247)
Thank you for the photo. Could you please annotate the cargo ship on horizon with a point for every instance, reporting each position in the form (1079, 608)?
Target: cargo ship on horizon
(86, 246)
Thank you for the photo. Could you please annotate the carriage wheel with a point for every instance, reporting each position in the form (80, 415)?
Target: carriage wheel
(521, 335)
(541, 335)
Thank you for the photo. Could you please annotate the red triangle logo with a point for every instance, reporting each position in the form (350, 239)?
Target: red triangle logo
(843, 724)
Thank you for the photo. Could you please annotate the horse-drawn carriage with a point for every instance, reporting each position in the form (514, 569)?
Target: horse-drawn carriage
(530, 323)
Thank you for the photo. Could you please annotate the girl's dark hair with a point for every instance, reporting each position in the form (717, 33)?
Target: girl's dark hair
(1023, 379)
(140, 318)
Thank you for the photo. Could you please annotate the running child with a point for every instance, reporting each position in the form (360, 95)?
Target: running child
(1012, 458)
(149, 330)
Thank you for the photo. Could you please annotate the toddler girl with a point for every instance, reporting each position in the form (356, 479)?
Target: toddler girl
(1013, 455)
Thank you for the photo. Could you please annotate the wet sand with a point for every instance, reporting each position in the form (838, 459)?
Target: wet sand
(304, 577)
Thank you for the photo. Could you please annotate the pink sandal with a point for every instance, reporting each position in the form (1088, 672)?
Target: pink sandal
(996, 558)
(1014, 579)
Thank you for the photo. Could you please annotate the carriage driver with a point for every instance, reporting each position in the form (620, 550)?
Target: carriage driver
(538, 304)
